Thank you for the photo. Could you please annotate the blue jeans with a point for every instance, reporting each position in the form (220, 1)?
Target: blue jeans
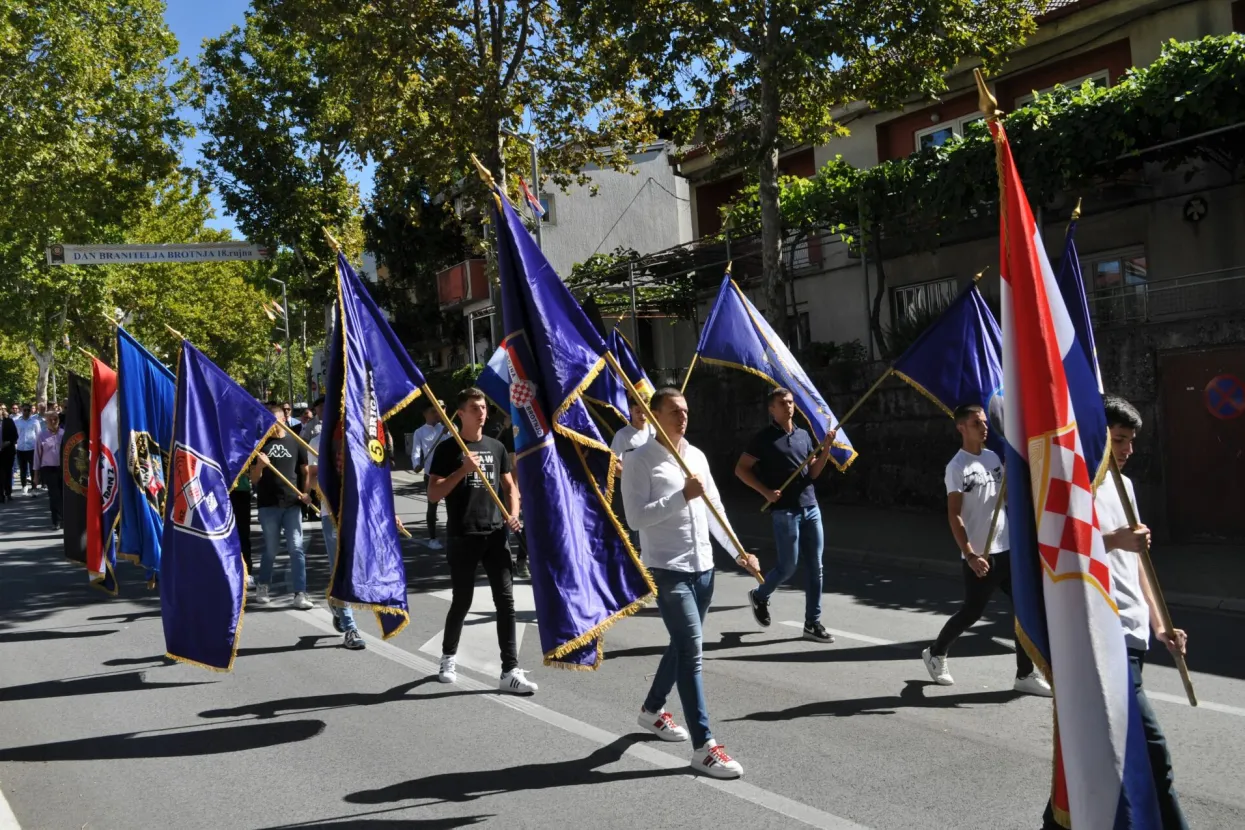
(797, 535)
(290, 519)
(683, 599)
(345, 615)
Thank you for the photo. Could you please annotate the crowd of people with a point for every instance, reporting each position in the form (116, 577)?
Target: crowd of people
(667, 513)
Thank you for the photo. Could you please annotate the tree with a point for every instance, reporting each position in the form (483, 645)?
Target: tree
(749, 79)
(90, 93)
(426, 83)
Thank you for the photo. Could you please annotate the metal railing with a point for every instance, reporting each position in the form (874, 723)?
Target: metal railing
(1189, 295)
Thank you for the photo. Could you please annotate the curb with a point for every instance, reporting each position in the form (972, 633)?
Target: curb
(865, 559)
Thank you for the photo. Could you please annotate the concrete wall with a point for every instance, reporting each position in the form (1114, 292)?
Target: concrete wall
(647, 208)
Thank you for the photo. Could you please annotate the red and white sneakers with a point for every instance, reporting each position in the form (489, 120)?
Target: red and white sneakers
(662, 725)
(713, 761)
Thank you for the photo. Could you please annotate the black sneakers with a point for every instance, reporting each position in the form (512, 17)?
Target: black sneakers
(760, 608)
(817, 632)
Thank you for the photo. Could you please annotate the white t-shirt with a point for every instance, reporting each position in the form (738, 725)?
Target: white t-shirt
(979, 478)
(1125, 565)
(629, 438)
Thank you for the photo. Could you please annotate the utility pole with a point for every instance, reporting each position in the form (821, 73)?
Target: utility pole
(289, 359)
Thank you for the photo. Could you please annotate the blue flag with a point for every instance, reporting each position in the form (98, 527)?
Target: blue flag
(370, 378)
(145, 389)
(608, 390)
(217, 431)
(585, 573)
(958, 360)
(1090, 415)
(738, 336)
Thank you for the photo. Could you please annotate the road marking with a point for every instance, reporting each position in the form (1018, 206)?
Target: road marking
(477, 647)
(8, 821)
(847, 635)
(1179, 700)
(772, 801)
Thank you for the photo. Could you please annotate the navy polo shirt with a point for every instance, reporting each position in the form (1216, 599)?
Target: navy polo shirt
(779, 454)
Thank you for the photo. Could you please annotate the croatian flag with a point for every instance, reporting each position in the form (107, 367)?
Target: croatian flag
(1065, 616)
(530, 198)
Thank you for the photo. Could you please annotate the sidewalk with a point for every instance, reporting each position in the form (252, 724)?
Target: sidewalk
(1205, 576)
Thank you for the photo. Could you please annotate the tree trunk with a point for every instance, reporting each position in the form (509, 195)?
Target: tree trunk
(44, 360)
(771, 217)
(875, 318)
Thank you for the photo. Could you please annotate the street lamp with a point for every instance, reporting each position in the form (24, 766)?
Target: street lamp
(289, 360)
(531, 142)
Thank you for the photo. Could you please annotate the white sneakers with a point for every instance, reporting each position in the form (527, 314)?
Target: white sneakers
(434, 544)
(261, 595)
(515, 682)
(302, 602)
(449, 669)
(1033, 684)
(250, 583)
(937, 668)
(662, 725)
(713, 761)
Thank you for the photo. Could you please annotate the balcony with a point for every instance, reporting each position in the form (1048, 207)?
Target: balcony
(1191, 295)
(463, 283)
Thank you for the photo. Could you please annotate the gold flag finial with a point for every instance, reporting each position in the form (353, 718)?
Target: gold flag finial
(977, 277)
(986, 102)
(176, 333)
(337, 249)
(485, 175)
(1076, 211)
(729, 263)
(88, 354)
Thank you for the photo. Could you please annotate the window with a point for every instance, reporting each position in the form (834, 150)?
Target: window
(1100, 78)
(940, 134)
(546, 202)
(1116, 282)
(911, 302)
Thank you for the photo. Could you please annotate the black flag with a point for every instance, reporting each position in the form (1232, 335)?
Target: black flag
(75, 447)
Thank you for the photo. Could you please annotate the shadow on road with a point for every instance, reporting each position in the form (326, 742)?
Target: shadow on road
(132, 745)
(911, 697)
(342, 700)
(100, 684)
(390, 824)
(33, 636)
(468, 786)
(729, 640)
(130, 617)
(978, 643)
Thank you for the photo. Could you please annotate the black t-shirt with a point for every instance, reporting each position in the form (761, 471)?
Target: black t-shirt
(778, 454)
(469, 508)
(288, 457)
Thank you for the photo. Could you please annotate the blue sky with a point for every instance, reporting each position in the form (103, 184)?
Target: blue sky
(192, 21)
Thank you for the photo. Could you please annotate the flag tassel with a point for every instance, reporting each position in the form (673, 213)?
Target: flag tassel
(1148, 564)
(742, 558)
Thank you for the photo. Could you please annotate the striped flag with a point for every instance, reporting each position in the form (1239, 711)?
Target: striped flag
(530, 198)
(1061, 580)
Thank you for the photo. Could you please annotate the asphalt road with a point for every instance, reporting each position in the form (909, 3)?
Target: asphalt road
(98, 731)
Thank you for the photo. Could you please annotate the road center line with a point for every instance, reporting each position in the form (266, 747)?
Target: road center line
(1179, 700)
(8, 821)
(811, 816)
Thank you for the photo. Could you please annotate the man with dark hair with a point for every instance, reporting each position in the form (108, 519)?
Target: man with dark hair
(476, 533)
(29, 425)
(669, 511)
(280, 509)
(1136, 597)
(974, 479)
(774, 454)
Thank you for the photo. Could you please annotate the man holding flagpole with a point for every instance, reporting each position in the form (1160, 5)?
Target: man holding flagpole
(668, 509)
(775, 453)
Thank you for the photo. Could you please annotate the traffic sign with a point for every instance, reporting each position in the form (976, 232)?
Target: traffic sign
(1225, 397)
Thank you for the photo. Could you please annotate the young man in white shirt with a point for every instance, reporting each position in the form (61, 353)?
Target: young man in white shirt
(423, 443)
(634, 435)
(668, 509)
(1135, 597)
(974, 478)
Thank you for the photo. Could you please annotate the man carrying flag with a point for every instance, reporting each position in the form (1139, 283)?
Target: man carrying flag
(218, 431)
(103, 499)
(75, 466)
(1061, 574)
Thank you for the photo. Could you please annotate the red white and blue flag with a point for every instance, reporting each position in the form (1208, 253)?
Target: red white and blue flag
(1065, 616)
(530, 198)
